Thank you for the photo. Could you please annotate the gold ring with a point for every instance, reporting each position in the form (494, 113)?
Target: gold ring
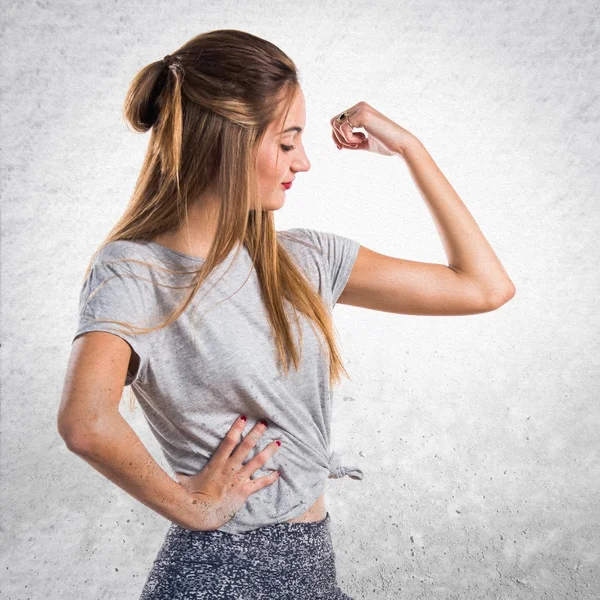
(345, 117)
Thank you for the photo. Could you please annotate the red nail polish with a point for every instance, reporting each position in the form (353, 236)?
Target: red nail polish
(244, 418)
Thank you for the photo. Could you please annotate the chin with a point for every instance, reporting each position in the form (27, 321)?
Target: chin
(273, 205)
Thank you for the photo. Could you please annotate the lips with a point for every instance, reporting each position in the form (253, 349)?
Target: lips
(287, 185)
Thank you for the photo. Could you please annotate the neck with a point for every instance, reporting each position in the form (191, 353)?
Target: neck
(196, 236)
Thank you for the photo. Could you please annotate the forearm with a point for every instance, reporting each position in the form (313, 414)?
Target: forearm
(113, 448)
(467, 250)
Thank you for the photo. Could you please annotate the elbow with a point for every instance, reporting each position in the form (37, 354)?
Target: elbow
(75, 438)
(499, 299)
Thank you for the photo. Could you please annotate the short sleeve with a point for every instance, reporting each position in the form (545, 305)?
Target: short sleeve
(111, 292)
(340, 254)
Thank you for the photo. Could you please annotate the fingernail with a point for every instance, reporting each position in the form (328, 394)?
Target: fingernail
(244, 418)
(263, 422)
(278, 442)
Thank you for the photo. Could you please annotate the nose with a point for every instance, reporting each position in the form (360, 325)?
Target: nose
(302, 163)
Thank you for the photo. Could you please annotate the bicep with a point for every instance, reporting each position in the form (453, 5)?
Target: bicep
(396, 285)
(94, 382)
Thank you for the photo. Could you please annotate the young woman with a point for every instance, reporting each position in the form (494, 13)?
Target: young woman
(223, 326)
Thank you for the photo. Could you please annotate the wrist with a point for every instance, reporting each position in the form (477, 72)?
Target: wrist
(190, 513)
(408, 145)
(198, 510)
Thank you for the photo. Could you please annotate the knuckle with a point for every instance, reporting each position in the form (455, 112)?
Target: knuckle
(244, 445)
(262, 458)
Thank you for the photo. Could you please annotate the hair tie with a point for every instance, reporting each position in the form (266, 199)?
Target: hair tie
(168, 60)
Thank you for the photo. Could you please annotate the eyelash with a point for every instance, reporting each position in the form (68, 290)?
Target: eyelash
(286, 148)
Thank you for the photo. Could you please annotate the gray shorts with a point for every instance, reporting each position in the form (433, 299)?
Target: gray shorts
(292, 561)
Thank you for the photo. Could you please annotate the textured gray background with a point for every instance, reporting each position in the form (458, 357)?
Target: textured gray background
(478, 435)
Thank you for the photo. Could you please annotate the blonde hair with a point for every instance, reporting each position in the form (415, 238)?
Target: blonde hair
(208, 109)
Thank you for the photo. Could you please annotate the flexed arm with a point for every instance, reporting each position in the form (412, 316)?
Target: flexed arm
(474, 280)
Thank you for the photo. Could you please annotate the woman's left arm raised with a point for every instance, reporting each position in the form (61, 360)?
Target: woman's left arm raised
(474, 281)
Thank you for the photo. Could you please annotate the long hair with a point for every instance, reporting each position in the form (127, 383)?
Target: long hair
(208, 108)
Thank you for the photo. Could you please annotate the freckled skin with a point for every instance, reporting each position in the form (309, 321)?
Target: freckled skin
(224, 483)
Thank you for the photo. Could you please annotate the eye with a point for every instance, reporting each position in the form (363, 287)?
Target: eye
(286, 148)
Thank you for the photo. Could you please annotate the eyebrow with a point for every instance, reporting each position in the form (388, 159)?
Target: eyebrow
(295, 128)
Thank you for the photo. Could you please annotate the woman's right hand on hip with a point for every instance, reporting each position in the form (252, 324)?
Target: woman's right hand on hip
(223, 485)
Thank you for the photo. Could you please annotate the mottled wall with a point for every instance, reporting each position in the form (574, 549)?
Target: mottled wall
(478, 435)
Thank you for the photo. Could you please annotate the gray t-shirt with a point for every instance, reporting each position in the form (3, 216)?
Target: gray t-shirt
(218, 360)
